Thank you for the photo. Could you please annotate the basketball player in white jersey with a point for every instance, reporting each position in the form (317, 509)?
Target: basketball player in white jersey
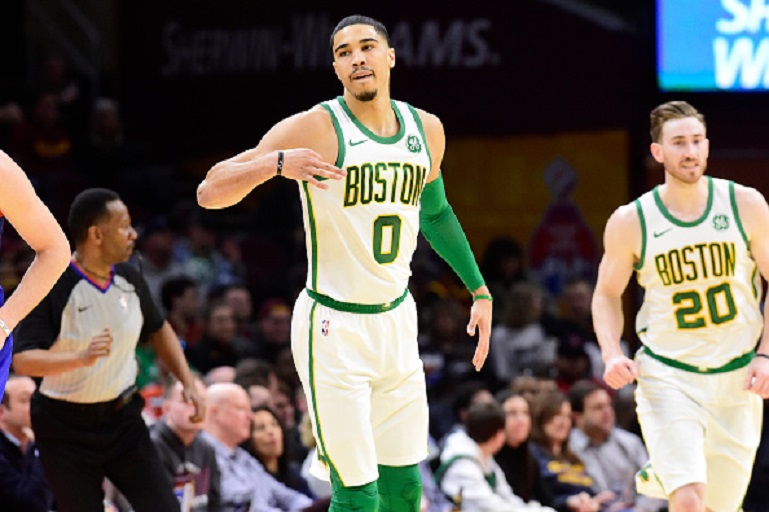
(368, 168)
(697, 245)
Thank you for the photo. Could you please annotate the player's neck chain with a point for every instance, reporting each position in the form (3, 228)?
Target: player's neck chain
(89, 271)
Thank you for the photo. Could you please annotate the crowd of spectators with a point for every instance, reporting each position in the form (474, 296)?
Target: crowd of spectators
(226, 283)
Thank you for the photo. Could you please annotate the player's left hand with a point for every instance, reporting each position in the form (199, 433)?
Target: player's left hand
(480, 320)
(758, 377)
(191, 396)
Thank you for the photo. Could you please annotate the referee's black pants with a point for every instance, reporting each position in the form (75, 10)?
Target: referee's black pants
(80, 444)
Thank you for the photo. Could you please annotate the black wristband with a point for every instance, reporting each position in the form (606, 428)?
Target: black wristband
(762, 355)
(280, 163)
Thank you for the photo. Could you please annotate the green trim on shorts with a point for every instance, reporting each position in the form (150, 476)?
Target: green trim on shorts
(351, 307)
(734, 364)
(643, 474)
(324, 457)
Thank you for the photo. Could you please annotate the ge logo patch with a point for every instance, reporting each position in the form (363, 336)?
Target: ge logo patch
(324, 324)
(721, 222)
(414, 144)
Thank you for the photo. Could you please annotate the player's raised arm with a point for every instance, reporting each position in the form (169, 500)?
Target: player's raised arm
(622, 242)
(37, 226)
(298, 147)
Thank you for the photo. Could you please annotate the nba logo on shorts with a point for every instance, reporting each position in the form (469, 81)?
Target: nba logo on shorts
(324, 327)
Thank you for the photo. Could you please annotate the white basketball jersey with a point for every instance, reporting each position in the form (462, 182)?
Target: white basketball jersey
(361, 233)
(701, 305)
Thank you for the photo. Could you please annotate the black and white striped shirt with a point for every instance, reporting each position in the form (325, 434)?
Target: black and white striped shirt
(76, 310)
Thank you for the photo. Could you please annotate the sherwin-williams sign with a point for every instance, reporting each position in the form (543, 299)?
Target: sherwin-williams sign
(713, 45)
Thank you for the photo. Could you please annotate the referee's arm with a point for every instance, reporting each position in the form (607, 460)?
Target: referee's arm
(169, 351)
(42, 362)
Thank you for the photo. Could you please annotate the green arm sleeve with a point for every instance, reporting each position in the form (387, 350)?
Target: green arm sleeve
(441, 228)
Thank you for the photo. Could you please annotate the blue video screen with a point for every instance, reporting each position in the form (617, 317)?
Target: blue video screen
(713, 45)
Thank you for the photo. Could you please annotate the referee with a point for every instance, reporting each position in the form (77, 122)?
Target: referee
(81, 339)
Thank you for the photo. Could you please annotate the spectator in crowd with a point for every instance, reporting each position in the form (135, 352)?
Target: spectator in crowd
(44, 149)
(452, 411)
(23, 487)
(58, 78)
(468, 472)
(217, 346)
(612, 456)
(274, 332)
(245, 484)
(181, 301)
(444, 343)
(269, 444)
(239, 297)
(189, 461)
(532, 387)
(106, 157)
(286, 370)
(518, 463)
(563, 471)
(577, 321)
(258, 378)
(503, 267)
(219, 374)
(520, 344)
(202, 259)
(572, 363)
(155, 245)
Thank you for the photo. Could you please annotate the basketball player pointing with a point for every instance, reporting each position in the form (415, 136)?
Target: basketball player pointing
(697, 244)
(354, 327)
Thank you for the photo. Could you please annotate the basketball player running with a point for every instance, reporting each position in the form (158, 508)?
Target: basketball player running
(697, 244)
(354, 327)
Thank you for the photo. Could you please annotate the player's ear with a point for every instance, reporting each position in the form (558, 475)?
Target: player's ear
(391, 57)
(656, 150)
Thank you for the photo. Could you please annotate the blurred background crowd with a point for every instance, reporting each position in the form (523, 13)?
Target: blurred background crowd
(139, 117)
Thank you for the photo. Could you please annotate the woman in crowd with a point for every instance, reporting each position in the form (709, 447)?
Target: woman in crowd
(268, 446)
(516, 459)
(562, 469)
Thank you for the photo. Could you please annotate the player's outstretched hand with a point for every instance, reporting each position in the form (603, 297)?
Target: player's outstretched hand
(620, 371)
(304, 164)
(758, 377)
(480, 320)
(191, 396)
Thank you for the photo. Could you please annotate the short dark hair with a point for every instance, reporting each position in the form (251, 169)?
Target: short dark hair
(579, 391)
(253, 372)
(358, 19)
(88, 208)
(464, 395)
(174, 288)
(484, 420)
